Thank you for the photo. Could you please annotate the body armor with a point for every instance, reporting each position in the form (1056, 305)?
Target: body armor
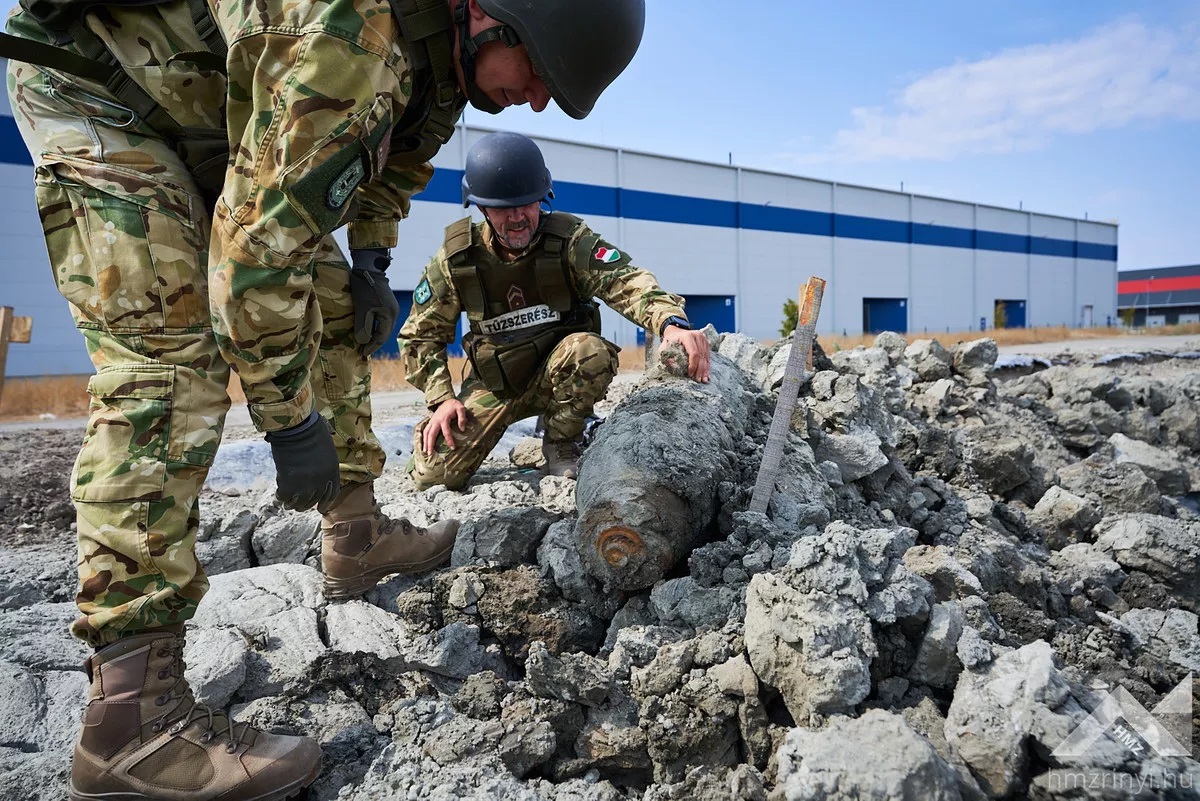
(518, 311)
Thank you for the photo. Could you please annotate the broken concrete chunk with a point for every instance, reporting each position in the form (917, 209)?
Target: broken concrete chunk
(1170, 634)
(1082, 567)
(814, 647)
(578, 678)
(1167, 550)
(974, 360)
(1160, 466)
(948, 576)
(937, 661)
(929, 359)
(1119, 486)
(504, 538)
(1064, 517)
(1018, 705)
(875, 756)
(216, 664)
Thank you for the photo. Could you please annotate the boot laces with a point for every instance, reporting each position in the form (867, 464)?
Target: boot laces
(216, 722)
(386, 524)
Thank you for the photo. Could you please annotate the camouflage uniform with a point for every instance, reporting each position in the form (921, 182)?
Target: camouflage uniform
(568, 384)
(168, 299)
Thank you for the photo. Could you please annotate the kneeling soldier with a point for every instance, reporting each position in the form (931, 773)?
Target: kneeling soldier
(526, 278)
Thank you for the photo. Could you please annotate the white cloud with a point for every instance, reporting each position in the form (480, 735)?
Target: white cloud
(1019, 99)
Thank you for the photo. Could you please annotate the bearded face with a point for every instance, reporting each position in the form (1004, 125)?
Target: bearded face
(516, 227)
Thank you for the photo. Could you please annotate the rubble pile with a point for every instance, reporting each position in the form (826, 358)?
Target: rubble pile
(961, 569)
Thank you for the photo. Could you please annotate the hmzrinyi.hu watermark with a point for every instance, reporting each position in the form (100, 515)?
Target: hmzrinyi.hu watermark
(1167, 731)
(1061, 781)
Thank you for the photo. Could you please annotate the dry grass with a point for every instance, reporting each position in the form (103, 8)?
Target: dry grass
(61, 396)
(66, 396)
(1011, 336)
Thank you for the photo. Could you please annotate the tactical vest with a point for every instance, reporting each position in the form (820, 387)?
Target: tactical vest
(518, 311)
(427, 124)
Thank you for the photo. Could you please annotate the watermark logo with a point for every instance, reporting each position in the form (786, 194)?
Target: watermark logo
(1165, 730)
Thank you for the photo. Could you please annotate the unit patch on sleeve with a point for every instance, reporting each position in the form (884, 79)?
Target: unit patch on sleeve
(345, 184)
(606, 255)
(422, 293)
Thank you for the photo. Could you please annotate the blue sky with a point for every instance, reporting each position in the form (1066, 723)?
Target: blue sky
(1072, 108)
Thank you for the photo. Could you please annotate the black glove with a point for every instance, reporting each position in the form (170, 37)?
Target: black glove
(306, 464)
(375, 307)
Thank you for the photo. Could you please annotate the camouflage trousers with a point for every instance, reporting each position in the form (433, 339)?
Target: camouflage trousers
(567, 386)
(127, 235)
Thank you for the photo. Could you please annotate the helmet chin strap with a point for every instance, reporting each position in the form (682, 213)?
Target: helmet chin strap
(469, 50)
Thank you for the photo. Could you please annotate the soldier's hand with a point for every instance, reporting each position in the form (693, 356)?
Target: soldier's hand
(375, 307)
(696, 346)
(306, 464)
(447, 412)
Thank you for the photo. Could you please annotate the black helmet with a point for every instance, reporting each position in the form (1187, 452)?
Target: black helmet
(505, 170)
(578, 47)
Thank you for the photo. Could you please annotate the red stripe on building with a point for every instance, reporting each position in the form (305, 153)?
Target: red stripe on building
(1174, 284)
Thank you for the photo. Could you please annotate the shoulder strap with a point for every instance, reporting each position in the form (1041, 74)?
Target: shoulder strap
(28, 51)
(97, 63)
(553, 266)
(429, 28)
(560, 224)
(458, 237)
(464, 273)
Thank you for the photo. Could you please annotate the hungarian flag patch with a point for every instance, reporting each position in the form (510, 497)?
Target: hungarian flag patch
(606, 255)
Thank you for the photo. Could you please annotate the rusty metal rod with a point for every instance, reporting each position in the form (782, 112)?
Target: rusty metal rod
(798, 364)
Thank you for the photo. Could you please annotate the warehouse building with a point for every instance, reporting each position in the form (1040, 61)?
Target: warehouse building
(1159, 296)
(735, 242)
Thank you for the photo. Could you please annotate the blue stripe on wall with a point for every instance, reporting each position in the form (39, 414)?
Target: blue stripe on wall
(853, 227)
(786, 221)
(1090, 250)
(659, 207)
(607, 201)
(1042, 246)
(943, 236)
(1005, 243)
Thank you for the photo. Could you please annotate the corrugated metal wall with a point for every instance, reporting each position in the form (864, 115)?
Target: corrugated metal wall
(710, 231)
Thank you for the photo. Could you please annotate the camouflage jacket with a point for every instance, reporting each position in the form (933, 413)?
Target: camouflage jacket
(598, 269)
(313, 91)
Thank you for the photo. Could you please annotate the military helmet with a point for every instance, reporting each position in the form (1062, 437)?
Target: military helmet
(578, 47)
(505, 170)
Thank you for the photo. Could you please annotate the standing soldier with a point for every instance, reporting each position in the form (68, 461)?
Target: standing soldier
(526, 279)
(192, 159)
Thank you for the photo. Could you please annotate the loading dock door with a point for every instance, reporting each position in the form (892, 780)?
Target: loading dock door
(391, 350)
(1009, 314)
(885, 314)
(716, 310)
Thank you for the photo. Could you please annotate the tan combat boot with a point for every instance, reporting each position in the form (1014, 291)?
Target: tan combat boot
(360, 544)
(144, 737)
(562, 458)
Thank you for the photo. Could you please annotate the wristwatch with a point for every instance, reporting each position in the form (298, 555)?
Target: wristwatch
(678, 322)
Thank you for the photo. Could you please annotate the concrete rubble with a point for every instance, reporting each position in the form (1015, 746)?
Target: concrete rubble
(964, 559)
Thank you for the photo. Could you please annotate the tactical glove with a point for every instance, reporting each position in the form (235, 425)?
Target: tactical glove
(375, 307)
(306, 464)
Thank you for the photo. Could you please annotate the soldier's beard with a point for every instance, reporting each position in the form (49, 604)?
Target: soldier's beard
(516, 236)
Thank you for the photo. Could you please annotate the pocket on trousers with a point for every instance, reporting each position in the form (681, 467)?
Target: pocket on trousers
(124, 451)
(122, 246)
